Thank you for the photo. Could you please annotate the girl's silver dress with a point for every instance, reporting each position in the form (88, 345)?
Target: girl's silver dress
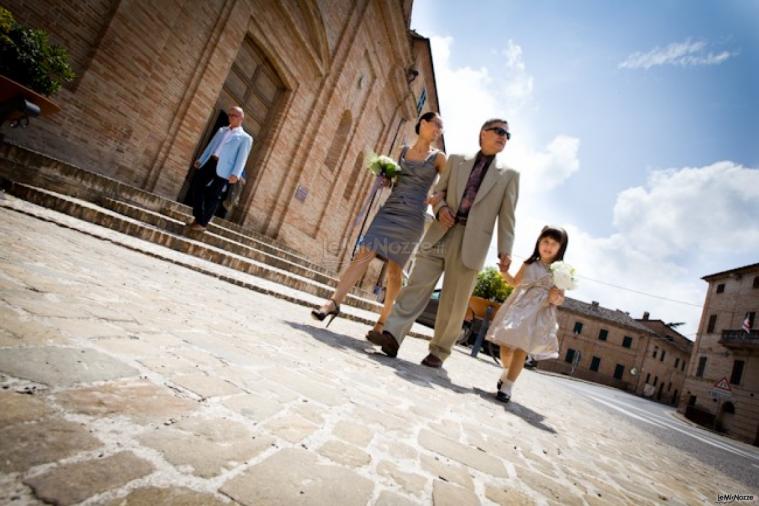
(526, 320)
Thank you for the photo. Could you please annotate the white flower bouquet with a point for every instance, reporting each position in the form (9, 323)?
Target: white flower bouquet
(382, 165)
(563, 276)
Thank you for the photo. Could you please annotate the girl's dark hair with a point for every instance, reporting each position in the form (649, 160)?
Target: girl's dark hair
(427, 116)
(559, 235)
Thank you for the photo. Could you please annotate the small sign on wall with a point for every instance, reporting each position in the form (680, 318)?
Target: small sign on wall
(301, 193)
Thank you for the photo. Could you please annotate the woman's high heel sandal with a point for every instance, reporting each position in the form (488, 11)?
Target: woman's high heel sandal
(321, 315)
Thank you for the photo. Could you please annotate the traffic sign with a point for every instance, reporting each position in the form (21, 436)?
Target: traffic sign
(723, 384)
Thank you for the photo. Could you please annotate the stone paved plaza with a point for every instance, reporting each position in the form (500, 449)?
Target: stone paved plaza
(128, 380)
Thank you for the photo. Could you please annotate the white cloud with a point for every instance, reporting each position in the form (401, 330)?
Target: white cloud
(517, 83)
(678, 53)
(709, 209)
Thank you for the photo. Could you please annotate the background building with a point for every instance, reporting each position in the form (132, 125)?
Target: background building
(727, 346)
(600, 344)
(664, 362)
(321, 83)
(643, 356)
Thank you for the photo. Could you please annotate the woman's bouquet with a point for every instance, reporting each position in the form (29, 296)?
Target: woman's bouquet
(381, 165)
(563, 276)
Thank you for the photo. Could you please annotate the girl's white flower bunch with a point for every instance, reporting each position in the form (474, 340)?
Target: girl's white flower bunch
(563, 276)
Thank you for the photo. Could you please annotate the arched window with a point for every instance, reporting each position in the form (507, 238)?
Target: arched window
(339, 140)
(355, 176)
(728, 408)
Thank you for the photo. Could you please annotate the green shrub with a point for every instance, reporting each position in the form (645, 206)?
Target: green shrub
(27, 57)
(490, 285)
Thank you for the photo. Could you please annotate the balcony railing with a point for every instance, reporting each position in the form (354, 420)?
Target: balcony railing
(740, 338)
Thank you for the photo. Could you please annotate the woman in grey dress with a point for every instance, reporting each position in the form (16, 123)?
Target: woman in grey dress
(398, 226)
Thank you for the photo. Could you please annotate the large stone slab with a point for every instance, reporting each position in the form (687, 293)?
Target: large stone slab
(446, 494)
(206, 386)
(174, 496)
(447, 472)
(306, 387)
(392, 499)
(208, 447)
(26, 445)
(253, 406)
(504, 496)
(292, 428)
(295, 477)
(462, 453)
(356, 433)
(139, 400)
(346, 454)
(75, 482)
(62, 366)
(410, 482)
(16, 407)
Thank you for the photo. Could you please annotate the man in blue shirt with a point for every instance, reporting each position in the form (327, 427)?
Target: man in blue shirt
(224, 160)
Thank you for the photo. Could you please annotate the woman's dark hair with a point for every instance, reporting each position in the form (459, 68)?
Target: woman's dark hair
(559, 235)
(427, 116)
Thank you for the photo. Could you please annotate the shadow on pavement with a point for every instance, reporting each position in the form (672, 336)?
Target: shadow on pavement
(412, 372)
(532, 417)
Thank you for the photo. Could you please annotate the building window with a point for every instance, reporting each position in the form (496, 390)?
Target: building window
(721, 288)
(677, 362)
(656, 380)
(627, 342)
(662, 355)
(570, 355)
(656, 351)
(682, 366)
(339, 140)
(422, 100)
(712, 324)
(619, 371)
(756, 282)
(669, 386)
(701, 367)
(578, 328)
(595, 363)
(603, 335)
(692, 400)
(750, 317)
(648, 377)
(728, 408)
(735, 376)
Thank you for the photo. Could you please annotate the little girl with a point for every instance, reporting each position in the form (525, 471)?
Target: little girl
(526, 322)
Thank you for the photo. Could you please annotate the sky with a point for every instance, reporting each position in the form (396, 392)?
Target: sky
(635, 126)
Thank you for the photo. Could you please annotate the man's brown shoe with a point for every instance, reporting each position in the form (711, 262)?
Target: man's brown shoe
(432, 361)
(385, 341)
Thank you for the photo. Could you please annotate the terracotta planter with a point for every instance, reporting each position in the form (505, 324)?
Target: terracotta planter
(10, 89)
(478, 307)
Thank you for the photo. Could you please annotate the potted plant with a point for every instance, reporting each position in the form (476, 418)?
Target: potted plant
(490, 291)
(30, 66)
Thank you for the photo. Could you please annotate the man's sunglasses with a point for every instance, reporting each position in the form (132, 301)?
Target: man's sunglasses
(500, 131)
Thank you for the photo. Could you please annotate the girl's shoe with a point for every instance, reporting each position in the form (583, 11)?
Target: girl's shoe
(502, 397)
(318, 314)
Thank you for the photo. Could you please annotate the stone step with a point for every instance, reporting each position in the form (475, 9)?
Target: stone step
(92, 213)
(41, 171)
(237, 243)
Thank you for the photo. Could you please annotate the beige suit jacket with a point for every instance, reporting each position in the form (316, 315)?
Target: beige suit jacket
(496, 198)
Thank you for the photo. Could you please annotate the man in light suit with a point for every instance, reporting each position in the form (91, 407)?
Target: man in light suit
(477, 189)
(221, 164)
